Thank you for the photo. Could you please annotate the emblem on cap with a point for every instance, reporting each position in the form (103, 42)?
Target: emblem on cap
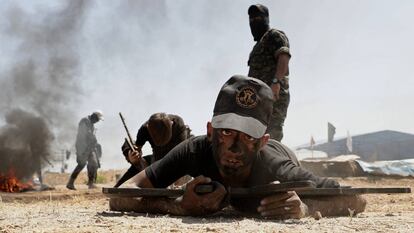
(247, 97)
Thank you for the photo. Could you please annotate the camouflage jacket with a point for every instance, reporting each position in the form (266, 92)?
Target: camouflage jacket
(262, 60)
(85, 139)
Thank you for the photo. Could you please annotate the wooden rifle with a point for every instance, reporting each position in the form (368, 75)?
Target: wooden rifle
(132, 171)
(128, 139)
(303, 189)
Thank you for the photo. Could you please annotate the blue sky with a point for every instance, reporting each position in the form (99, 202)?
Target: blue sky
(352, 62)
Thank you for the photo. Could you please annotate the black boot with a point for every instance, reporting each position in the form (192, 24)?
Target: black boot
(70, 185)
(91, 185)
(92, 178)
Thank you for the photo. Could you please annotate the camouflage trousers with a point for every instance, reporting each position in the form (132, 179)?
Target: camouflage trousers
(91, 161)
(280, 106)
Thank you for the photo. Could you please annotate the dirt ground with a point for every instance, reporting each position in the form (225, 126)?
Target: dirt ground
(84, 210)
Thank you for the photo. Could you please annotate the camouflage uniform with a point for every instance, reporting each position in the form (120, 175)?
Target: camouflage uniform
(263, 66)
(87, 150)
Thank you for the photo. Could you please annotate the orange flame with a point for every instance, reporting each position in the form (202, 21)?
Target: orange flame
(10, 183)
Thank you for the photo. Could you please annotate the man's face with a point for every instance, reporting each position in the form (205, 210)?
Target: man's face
(234, 151)
(94, 118)
(258, 26)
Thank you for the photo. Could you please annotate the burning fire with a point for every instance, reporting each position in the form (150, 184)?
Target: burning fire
(10, 183)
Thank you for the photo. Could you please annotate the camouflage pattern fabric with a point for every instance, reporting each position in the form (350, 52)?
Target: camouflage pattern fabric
(262, 65)
(85, 139)
(280, 106)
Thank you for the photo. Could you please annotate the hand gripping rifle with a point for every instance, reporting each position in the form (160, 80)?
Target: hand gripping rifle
(132, 171)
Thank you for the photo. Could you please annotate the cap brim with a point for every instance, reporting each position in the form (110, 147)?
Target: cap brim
(247, 125)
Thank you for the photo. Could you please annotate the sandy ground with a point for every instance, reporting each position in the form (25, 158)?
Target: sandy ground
(84, 210)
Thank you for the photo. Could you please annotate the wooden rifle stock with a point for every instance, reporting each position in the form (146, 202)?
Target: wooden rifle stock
(302, 188)
(130, 142)
(129, 138)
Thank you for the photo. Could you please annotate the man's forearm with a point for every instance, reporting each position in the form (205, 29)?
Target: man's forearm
(147, 205)
(336, 205)
(282, 65)
(289, 171)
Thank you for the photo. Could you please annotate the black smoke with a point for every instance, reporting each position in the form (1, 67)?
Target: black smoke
(24, 143)
(39, 90)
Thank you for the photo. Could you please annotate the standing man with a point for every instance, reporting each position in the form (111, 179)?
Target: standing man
(236, 152)
(269, 62)
(163, 132)
(87, 150)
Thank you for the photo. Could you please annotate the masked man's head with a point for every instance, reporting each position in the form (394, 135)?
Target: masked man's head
(241, 114)
(96, 116)
(259, 20)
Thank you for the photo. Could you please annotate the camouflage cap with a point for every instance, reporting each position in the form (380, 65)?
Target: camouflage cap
(244, 104)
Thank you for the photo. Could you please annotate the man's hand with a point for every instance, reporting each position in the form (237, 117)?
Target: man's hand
(282, 206)
(195, 204)
(134, 157)
(276, 90)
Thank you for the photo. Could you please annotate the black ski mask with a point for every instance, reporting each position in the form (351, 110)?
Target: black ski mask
(259, 20)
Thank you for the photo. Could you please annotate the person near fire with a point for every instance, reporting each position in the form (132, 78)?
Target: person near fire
(88, 151)
(269, 62)
(163, 132)
(236, 152)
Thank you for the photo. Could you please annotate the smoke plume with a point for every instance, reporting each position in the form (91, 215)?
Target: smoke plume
(40, 87)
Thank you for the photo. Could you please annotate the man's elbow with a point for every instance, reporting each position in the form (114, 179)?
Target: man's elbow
(335, 205)
(141, 180)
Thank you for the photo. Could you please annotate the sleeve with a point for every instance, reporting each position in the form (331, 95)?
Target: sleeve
(280, 40)
(177, 163)
(287, 170)
(285, 166)
(125, 148)
(142, 135)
